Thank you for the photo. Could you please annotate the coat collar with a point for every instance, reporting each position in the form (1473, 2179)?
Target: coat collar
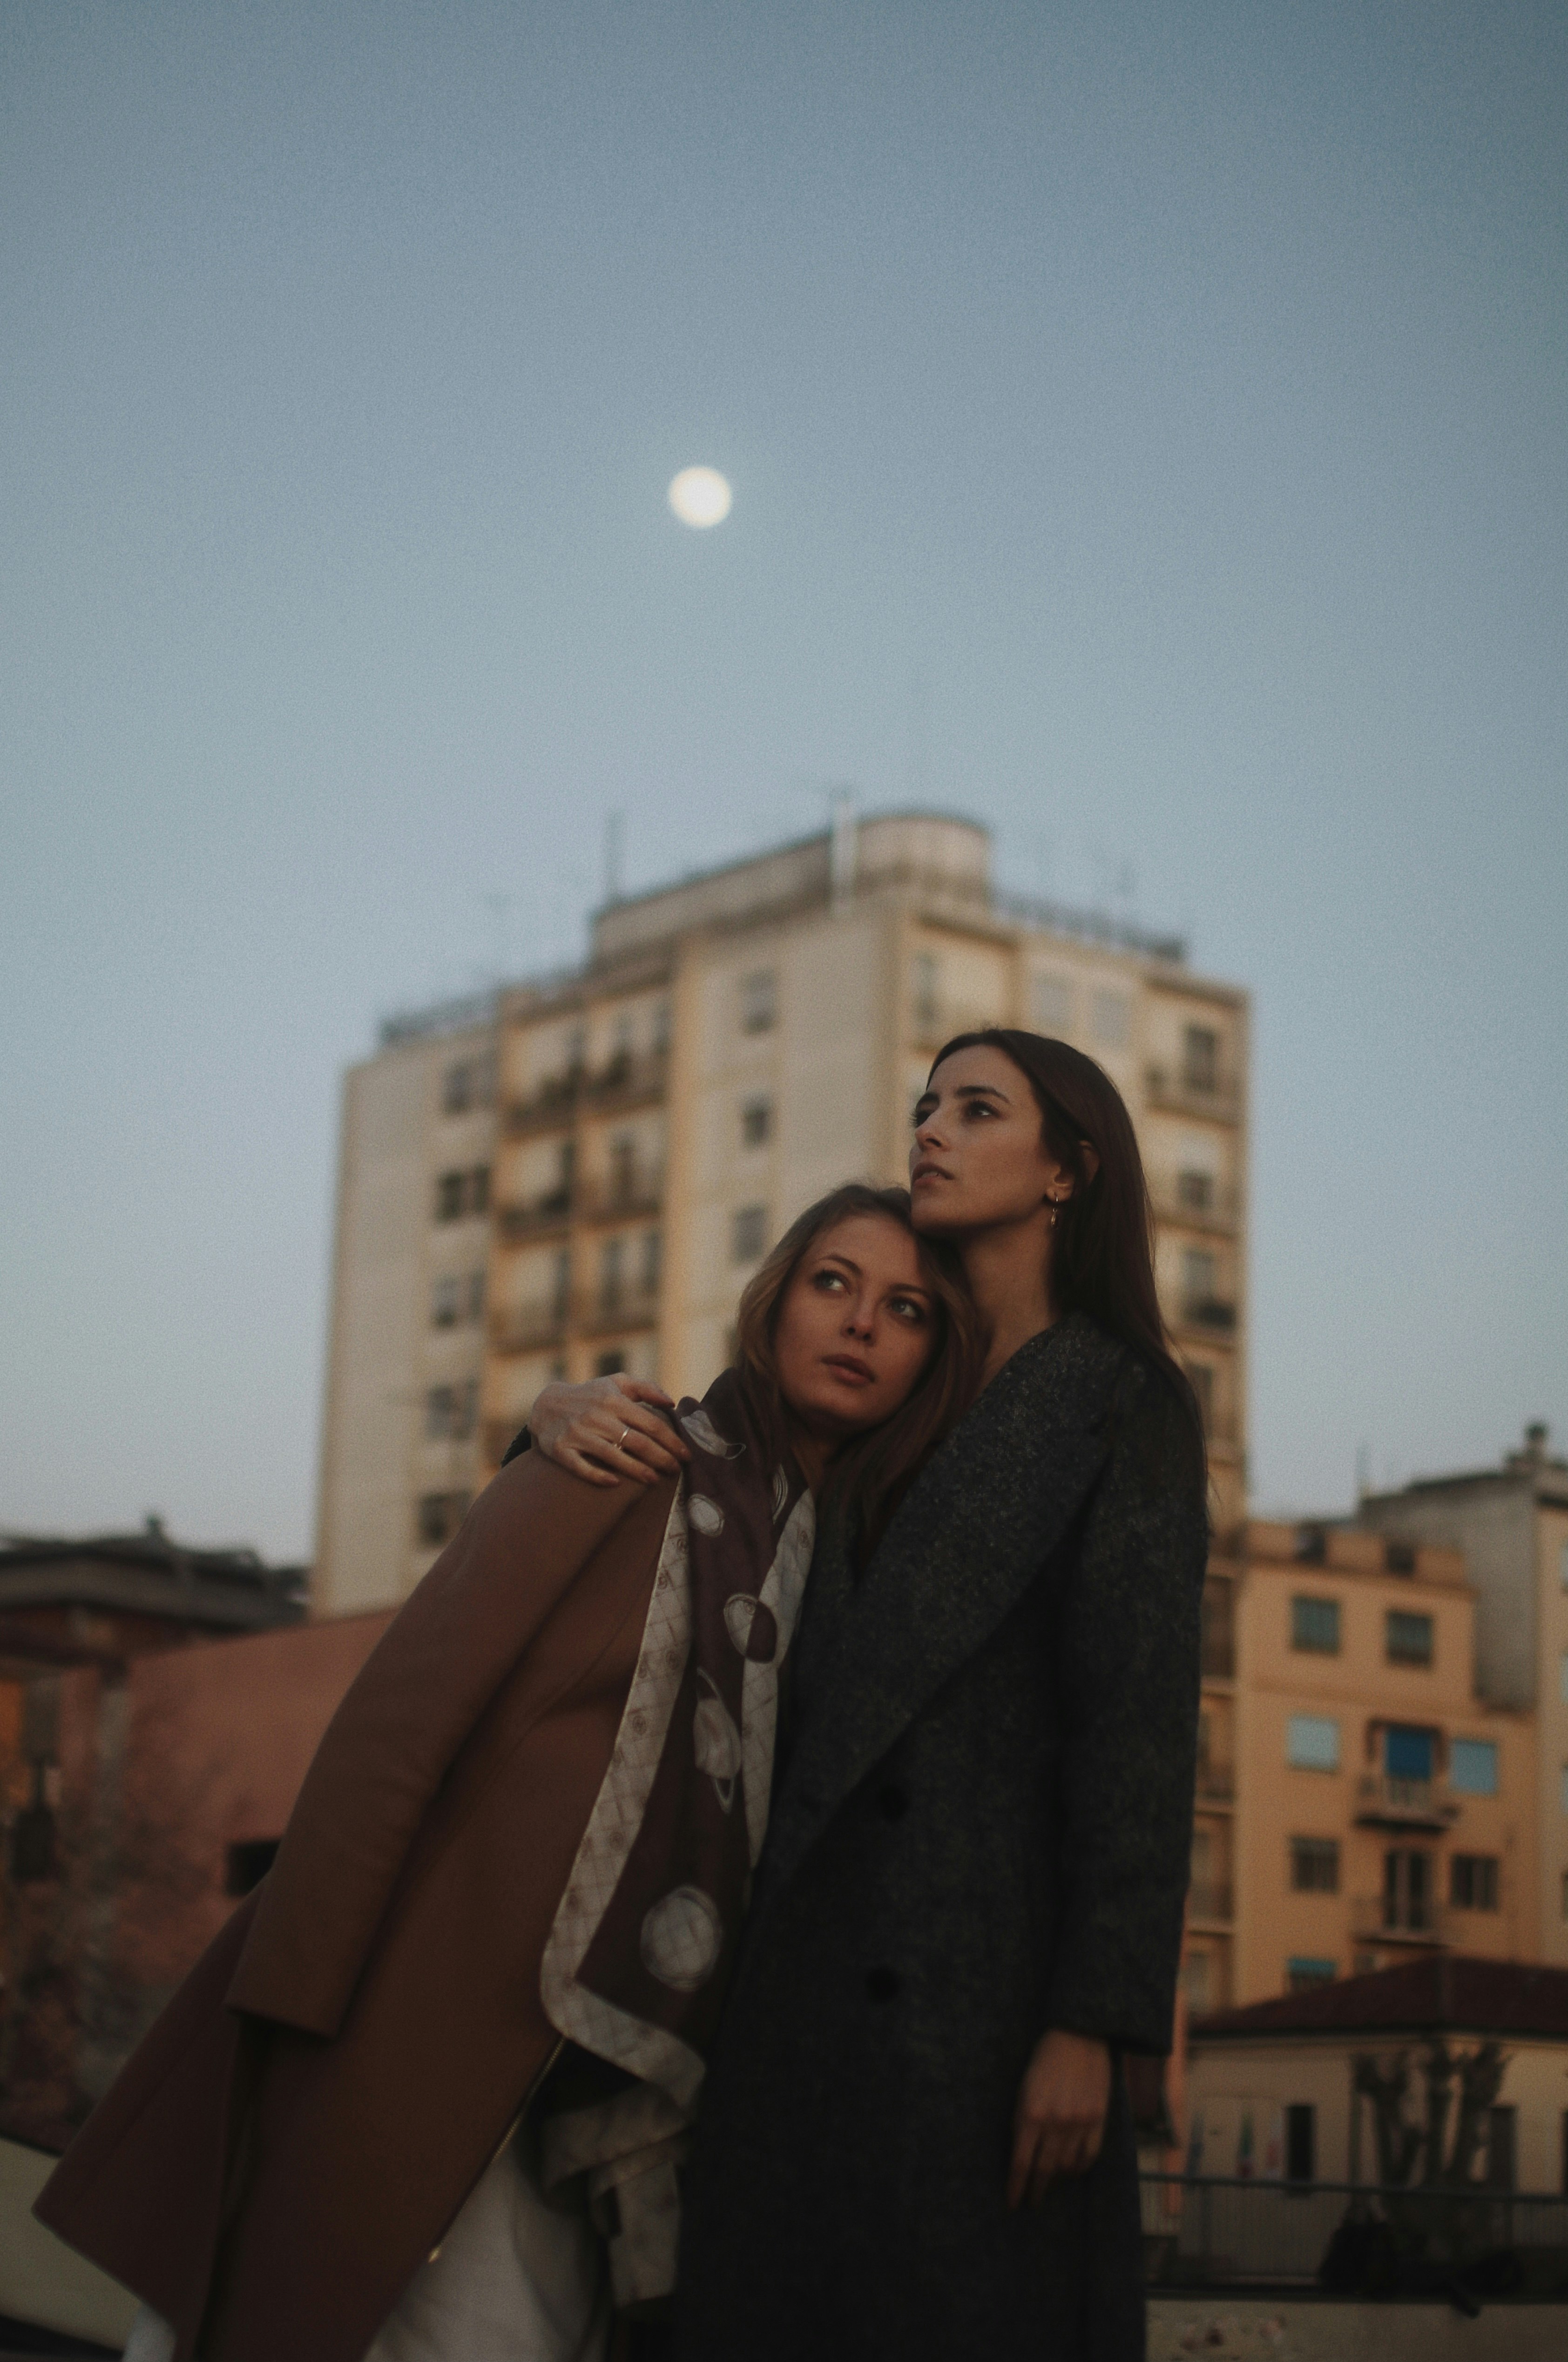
(977, 1527)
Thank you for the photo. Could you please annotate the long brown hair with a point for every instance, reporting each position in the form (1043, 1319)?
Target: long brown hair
(870, 1476)
(1102, 1258)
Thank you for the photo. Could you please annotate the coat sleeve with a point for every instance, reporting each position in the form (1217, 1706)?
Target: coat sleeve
(400, 1727)
(1129, 1680)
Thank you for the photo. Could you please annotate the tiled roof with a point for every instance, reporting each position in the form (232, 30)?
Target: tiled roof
(1443, 1992)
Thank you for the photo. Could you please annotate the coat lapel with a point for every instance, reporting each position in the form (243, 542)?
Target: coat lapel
(967, 1540)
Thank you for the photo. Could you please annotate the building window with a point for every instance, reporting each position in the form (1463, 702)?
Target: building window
(1473, 1881)
(476, 1296)
(1409, 1890)
(446, 1302)
(1302, 1972)
(1473, 1766)
(1315, 1625)
(1051, 1003)
(1201, 1374)
(748, 1234)
(1312, 1743)
(1315, 1865)
(612, 1275)
(757, 1122)
(439, 1515)
(609, 1362)
(1194, 1190)
(561, 1284)
(923, 987)
(245, 1865)
(1300, 2141)
(653, 1256)
(457, 1194)
(1110, 1017)
(1200, 1058)
(1502, 2145)
(1197, 1982)
(449, 1411)
(468, 1083)
(759, 1002)
(1409, 1637)
(1409, 1750)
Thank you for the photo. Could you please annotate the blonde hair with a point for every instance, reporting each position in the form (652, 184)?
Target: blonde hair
(869, 1478)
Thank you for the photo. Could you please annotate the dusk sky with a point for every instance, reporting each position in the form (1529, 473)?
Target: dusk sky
(1148, 427)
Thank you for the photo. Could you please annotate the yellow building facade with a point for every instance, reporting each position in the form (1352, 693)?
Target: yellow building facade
(1358, 1803)
(580, 1176)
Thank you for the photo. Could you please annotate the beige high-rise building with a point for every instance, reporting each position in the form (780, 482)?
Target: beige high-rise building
(580, 1175)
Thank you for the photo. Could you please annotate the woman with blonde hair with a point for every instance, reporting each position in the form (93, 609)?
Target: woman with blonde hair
(425, 2097)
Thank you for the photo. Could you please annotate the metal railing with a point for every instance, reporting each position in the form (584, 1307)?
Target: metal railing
(1210, 2231)
(1178, 1197)
(1376, 1918)
(535, 1218)
(1170, 1086)
(1383, 1801)
(621, 1197)
(1209, 1901)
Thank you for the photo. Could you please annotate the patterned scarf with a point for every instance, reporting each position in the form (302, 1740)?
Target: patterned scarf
(639, 1955)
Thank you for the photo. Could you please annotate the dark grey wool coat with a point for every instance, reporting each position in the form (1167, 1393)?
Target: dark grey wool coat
(981, 1830)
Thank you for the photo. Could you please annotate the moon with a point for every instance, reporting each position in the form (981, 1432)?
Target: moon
(699, 496)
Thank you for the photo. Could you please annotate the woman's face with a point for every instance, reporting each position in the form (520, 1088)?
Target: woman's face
(855, 1328)
(979, 1158)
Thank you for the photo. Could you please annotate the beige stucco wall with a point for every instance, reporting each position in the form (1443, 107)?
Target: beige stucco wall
(1227, 2080)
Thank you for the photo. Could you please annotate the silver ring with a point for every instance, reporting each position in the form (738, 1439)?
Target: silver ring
(624, 1433)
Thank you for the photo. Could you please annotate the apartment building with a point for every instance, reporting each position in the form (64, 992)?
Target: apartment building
(1511, 1522)
(1359, 1801)
(580, 1175)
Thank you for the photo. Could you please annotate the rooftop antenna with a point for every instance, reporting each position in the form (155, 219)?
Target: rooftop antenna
(614, 846)
(841, 848)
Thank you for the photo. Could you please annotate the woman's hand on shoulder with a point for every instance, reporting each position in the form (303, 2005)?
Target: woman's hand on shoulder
(605, 1430)
(1059, 2122)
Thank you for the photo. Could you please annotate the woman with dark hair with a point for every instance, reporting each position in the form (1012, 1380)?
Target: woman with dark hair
(915, 2140)
(424, 2097)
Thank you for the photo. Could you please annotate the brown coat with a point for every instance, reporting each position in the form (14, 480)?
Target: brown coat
(354, 2045)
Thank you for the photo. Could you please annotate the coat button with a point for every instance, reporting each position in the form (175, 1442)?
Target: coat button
(894, 1802)
(882, 1983)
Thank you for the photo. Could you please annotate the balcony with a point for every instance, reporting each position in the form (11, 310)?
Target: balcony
(932, 1022)
(1182, 1094)
(1218, 1659)
(1375, 1920)
(528, 1328)
(539, 1217)
(627, 1081)
(548, 1107)
(1209, 1903)
(1216, 1783)
(613, 1311)
(1177, 1199)
(622, 1197)
(1212, 1316)
(1384, 1802)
